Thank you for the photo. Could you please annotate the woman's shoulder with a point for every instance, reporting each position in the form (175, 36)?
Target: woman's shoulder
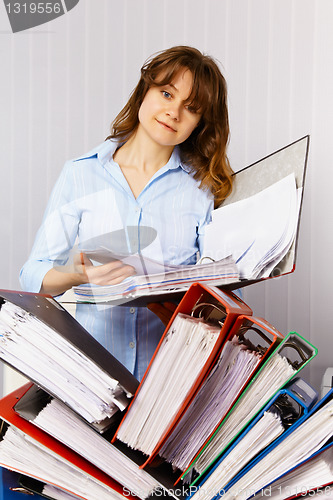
(102, 152)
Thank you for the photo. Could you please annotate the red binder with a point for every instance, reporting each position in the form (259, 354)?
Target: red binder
(208, 302)
(8, 414)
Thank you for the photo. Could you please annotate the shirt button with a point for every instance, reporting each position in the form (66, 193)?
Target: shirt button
(132, 310)
(137, 209)
(132, 345)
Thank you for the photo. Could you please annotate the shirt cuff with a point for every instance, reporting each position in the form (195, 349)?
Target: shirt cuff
(32, 275)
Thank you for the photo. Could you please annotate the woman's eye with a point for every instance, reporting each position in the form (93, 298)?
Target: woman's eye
(191, 109)
(166, 94)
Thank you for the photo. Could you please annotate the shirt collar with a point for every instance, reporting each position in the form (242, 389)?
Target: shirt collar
(106, 150)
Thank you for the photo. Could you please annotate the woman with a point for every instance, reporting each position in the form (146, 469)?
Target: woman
(161, 170)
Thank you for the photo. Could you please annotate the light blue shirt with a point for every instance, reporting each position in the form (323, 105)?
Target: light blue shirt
(92, 198)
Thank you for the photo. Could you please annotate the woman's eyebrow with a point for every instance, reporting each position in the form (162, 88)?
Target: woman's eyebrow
(171, 85)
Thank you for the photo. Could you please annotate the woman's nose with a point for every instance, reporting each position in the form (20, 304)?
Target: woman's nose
(173, 111)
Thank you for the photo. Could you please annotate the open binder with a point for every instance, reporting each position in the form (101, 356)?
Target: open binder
(90, 367)
(284, 411)
(290, 160)
(60, 422)
(58, 452)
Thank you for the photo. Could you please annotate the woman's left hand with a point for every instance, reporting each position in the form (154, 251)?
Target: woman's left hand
(163, 310)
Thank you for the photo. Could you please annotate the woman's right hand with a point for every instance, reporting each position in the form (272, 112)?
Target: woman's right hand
(60, 279)
(111, 273)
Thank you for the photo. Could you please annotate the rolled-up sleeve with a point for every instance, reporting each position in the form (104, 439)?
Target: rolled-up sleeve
(57, 233)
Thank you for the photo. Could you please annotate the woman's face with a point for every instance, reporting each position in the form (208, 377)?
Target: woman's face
(164, 114)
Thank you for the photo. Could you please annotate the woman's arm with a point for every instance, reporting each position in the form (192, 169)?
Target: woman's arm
(58, 279)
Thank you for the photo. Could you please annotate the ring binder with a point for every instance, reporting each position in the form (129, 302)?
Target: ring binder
(305, 438)
(289, 404)
(37, 324)
(250, 403)
(53, 448)
(212, 314)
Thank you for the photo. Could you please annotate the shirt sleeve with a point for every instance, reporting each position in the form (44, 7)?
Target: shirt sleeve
(56, 236)
(206, 219)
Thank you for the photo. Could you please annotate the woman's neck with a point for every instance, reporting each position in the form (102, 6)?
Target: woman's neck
(143, 154)
(139, 159)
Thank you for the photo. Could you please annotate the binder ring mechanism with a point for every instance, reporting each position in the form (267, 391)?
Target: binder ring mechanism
(288, 411)
(207, 312)
(296, 364)
(258, 348)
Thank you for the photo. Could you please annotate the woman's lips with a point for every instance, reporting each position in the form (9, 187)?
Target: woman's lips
(166, 126)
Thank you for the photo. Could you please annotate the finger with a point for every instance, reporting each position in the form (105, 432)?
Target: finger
(103, 275)
(162, 312)
(171, 306)
(118, 275)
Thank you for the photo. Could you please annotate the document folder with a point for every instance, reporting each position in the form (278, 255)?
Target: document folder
(287, 407)
(311, 434)
(11, 487)
(81, 351)
(250, 181)
(10, 419)
(41, 410)
(291, 159)
(326, 446)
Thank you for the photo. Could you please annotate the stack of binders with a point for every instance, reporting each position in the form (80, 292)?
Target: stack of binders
(217, 412)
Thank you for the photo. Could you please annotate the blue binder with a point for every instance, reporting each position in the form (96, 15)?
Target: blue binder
(293, 403)
(10, 488)
(252, 463)
(328, 444)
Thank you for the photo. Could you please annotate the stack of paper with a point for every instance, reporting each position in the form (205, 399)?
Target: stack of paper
(272, 376)
(257, 231)
(45, 356)
(178, 363)
(310, 476)
(246, 239)
(233, 368)
(260, 436)
(168, 278)
(294, 449)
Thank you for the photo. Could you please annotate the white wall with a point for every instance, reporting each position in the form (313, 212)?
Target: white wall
(63, 82)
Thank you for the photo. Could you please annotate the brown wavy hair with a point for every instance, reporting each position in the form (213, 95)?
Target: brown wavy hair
(205, 150)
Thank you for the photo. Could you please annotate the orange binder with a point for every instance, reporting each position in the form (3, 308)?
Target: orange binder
(9, 416)
(207, 302)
